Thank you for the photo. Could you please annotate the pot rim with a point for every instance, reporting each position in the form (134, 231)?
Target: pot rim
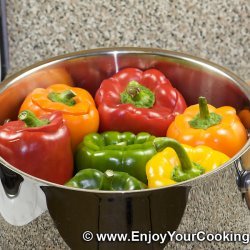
(127, 50)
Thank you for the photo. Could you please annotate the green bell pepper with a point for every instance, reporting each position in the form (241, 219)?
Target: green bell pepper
(110, 180)
(124, 152)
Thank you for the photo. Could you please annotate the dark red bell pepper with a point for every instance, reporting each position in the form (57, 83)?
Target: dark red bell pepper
(135, 101)
(41, 148)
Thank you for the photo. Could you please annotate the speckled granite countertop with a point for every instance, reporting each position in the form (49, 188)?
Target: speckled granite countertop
(214, 30)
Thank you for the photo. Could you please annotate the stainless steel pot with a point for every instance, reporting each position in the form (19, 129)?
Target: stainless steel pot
(24, 197)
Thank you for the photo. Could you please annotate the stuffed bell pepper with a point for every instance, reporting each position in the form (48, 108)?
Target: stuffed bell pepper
(39, 147)
(135, 100)
(76, 104)
(203, 124)
(177, 163)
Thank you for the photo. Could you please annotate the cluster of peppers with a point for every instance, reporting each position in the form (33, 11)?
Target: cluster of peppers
(57, 134)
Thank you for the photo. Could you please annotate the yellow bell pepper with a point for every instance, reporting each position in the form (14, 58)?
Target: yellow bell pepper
(164, 167)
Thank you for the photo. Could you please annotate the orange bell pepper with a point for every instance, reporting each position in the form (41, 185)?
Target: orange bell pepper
(76, 104)
(244, 116)
(17, 92)
(203, 124)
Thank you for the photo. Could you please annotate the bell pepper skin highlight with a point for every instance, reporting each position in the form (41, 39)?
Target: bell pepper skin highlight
(39, 147)
(76, 104)
(203, 124)
(135, 100)
(169, 166)
(110, 180)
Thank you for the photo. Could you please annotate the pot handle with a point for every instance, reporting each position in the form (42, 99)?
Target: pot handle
(21, 199)
(242, 166)
(11, 181)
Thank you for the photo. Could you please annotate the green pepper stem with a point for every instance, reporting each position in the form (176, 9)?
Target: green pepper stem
(133, 91)
(31, 120)
(65, 97)
(204, 112)
(138, 95)
(161, 143)
(107, 180)
(109, 173)
(204, 119)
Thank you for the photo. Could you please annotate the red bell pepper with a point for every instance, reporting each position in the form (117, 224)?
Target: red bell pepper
(135, 101)
(41, 148)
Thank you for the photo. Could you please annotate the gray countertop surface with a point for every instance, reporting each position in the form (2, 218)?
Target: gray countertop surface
(217, 30)
(214, 30)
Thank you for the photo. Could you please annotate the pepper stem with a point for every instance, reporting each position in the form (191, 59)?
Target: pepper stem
(138, 95)
(204, 119)
(107, 180)
(31, 120)
(161, 143)
(133, 91)
(204, 112)
(65, 97)
(187, 169)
